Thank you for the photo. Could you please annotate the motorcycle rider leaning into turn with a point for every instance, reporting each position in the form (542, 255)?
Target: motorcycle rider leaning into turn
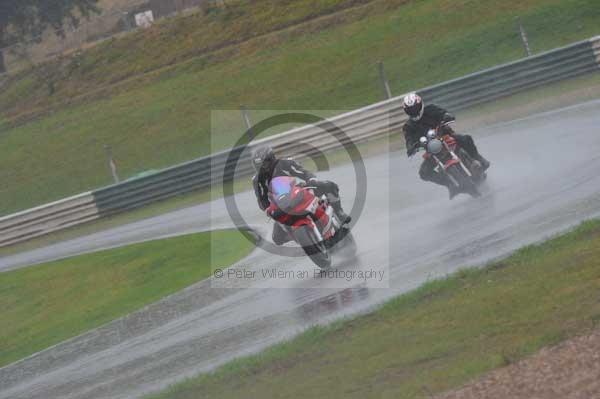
(268, 166)
(424, 117)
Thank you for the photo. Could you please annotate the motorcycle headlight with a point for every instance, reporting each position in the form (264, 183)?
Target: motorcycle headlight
(423, 140)
(434, 146)
(431, 134)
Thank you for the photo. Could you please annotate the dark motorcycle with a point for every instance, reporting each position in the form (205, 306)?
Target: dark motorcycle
(309, 220)
(464, 172)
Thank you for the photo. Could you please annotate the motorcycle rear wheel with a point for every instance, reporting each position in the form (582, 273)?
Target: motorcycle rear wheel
(316, 251)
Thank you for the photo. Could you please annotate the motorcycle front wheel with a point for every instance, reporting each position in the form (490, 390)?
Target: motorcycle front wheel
(316, 251)
(466, 183)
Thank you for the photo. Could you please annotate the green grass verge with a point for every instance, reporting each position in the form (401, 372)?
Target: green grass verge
(163, 117)
(49, 303)
(432, 339)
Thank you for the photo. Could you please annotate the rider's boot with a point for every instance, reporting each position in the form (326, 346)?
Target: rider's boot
(468, 144)
(484, 162)
(337, 207)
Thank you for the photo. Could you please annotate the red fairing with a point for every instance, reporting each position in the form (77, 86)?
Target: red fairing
(303, 221)
(298, 217)
(330, 231)
(281, 217)
(308, 199)
(320, 215)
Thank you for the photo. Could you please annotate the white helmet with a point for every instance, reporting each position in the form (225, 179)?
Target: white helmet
(413, 106)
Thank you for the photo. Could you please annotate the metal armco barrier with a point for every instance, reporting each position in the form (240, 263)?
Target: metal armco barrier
(47, 218)
(364, 124)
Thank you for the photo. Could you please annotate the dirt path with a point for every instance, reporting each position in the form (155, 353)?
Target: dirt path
(567, 371)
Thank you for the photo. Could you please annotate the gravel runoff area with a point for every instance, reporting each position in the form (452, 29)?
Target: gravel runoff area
(569, 370)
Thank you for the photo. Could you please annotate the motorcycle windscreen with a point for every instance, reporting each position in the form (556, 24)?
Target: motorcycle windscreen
(281, 189)
(282, 185)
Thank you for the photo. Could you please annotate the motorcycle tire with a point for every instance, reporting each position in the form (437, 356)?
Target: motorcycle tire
(316, 251)
(466, 184)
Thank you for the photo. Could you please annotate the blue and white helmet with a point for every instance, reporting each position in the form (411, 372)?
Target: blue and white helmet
(413, 106)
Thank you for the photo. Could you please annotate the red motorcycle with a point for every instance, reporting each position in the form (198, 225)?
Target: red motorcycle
(308, 219)
(464, 172)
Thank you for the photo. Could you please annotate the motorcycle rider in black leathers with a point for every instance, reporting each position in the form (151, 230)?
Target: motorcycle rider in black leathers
(424, 117)
(268, 166)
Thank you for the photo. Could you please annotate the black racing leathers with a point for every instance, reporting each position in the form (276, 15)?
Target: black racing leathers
(434, 117)
(289, 167)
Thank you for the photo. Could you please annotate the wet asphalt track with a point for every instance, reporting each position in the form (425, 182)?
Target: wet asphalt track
(545, 178)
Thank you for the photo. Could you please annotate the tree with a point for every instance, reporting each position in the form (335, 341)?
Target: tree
(23, 20)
